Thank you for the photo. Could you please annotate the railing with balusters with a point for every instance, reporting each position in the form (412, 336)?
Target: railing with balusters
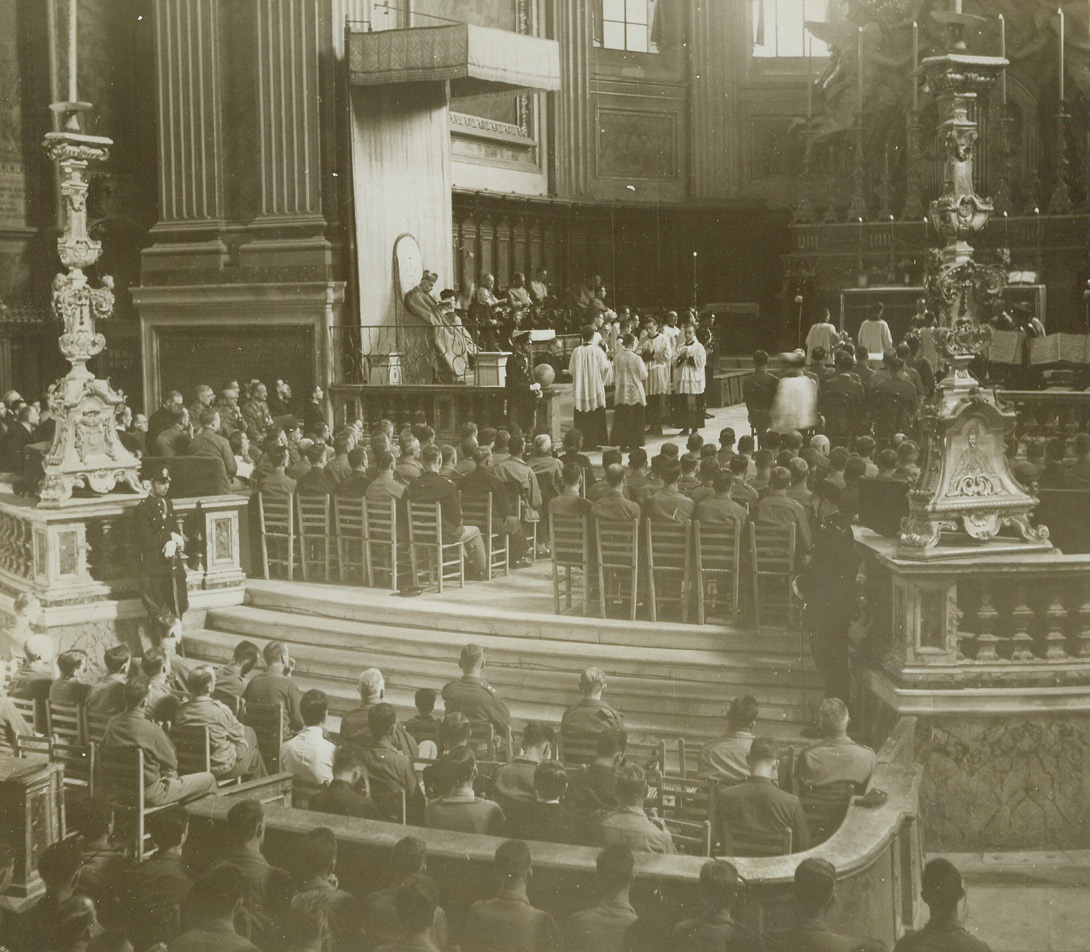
(1017, 618)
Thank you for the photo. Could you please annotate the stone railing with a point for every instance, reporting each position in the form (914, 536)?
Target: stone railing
(1006, 619)
(876, 852)
(1045, 414)
(86, 552)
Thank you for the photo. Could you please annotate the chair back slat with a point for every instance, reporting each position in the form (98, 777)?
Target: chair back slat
(78, 761)
(477, 511)
(32, 745)
(430, 551)
(276, 518)
(350, 522)
(717, 562)
(825, 807)
(570, 552)
(192, 746)
(382, 546)
(691, 837)
(668, 576)
(28, 709)
(267, 720)
(312, 512)
(772, 553)
(96, 722)
(65, 722)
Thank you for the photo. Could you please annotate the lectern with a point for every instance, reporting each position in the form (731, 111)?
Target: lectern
(31, 819)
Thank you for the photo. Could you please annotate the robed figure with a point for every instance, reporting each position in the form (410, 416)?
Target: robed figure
(446, 336)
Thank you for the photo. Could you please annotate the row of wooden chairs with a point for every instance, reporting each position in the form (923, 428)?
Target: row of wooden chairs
(673, 566)
(361, 540)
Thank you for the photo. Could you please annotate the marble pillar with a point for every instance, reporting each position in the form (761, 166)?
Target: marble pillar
(573, 102)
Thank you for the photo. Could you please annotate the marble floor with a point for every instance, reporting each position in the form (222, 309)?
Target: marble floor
(1028, 902)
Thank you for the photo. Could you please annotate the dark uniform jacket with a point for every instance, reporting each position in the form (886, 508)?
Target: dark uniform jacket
(590, 717)
(133, 729)
(466, 815)
(509, 922)
(668, 505)
(431, 488)
(269, 687)
(339, 798)
(602, 928)
(478, 701)
(760, 806)
(553, 823)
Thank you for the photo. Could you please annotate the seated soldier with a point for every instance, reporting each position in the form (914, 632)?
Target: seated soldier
(275, 686)
(942, 890)
(232, 747)
(628, 824)
(416, 903)
(720, 508)
(509, 921)
(407, 860)
(308, 756)
(214, 902)
(347, 793)
(341, 922)
(232, 678)
(513, 783)
(590, 716)
(596, 789)
(776, 509)
(815, 895)
(462, 810)
(474, 697)
(354, 729)
(714, 927)
(836, 758)
(669, 505)
(166, 633)
(568, 503)
(454, 732)
(163, 703)
(391, 772)
(726, 758)
(159, 885)
(70, 687)
(758, 805)
(610, 925)
(483, 482)
(34, 677)
(610, 457)
(107, 695)
(433, 488)
(133, 728)
(104, 869)
(426, 721)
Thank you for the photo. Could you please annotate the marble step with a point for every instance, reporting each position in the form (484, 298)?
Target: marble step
(696, 720)
(439, 612)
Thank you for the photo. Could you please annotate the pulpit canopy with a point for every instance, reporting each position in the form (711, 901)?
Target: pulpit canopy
(476, 60)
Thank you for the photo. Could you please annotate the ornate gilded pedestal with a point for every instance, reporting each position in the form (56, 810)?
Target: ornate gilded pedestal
(86, 451)
(966, 484)
(31, 818)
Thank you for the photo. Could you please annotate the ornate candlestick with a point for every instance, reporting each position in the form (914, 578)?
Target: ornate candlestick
(857, 208)
(804, 207)
(85, 451)
(966, 482)
(913, 209)
(1002, 200)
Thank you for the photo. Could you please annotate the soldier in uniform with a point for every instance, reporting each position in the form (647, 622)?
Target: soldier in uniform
(255, 412)
(474, 697)
(591, 715)
(629, 825)
(162, 572)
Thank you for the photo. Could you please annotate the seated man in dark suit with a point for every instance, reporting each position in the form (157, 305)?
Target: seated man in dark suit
(347, 793)
(407, 860)
(513, 783)
(596, 789)
(548, 820)
(714, 928)
(568, 502)
(758, 805)
(483, 482)
(942, 890)
(778, 509)
(355, 484)
(669, 504)
(720, 509)
(316, 481)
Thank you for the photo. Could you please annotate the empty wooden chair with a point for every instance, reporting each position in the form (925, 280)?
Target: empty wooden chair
(431, 554)
(384, 555)
(668, 550)
(717, 561)
(477, 511)
(618, 566)
(691, 837)
(312, 512)
(570, 548)
(279, 545)
(772, 557)
(351, 535)
(267, 720)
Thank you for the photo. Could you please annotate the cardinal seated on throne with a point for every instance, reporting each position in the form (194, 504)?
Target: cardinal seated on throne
(439, 329)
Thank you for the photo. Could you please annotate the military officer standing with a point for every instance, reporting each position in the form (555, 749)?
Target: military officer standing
(162, 571)
(474, 697)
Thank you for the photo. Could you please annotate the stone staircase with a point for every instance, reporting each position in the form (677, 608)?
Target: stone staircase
(667, 679)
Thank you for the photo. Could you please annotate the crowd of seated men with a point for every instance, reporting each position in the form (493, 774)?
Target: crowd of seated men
(430, 770)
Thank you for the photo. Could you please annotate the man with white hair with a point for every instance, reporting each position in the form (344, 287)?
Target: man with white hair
(590, 716)
(37, 671)
(354, 724)
(836, 757)
(27, 610)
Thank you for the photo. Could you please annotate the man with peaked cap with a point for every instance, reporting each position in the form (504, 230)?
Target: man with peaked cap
(162, 571)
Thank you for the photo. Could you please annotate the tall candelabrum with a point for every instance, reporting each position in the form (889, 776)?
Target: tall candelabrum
(913, 208)
(966, 486)
(1060, 202)
(86, 451)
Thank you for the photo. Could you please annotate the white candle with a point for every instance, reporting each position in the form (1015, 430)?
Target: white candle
(859, 71)
(72, 51)
(1003, 53)
(916, 65)
(1060, 11)
(810, 78)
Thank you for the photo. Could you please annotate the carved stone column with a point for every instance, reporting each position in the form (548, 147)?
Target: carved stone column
(574, 142)
(191, 147)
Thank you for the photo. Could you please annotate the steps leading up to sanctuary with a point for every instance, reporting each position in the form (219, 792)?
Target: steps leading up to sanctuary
(667, 679)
